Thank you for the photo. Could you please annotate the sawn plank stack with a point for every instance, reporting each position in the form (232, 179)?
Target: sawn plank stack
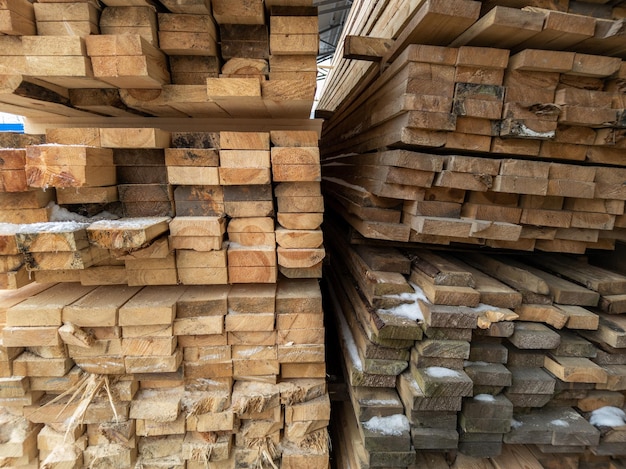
(251, 316)
(473, 167)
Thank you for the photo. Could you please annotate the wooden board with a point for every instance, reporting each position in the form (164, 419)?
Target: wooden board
(503, 26)
(126, 234)
(603, 281)
(99, 308)
(45, 308)
(52, 237)
(152, 305)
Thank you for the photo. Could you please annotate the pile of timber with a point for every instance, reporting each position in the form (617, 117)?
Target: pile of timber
(380, 31)
(162, 304)
(563, 196)
(488, 355)
(165, 59)
(175, 317)
(433, 136)
(493, 129)
(191, 208)
(176, 376)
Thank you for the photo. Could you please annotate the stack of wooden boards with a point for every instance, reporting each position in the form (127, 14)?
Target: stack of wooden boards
(176, 376)
(477, 125)
(188, 332)
(197, 208)
(447, 351)
(381, 30)
(165, 308)
(164, 59)
(467, 100)
(516, 147)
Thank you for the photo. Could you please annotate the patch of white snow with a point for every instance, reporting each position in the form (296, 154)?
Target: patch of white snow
(372, 402)
(350, 344)
(560, 423)
(485, 398)
(411, 309)
(485, 307)
(608, 416)
(441, 372)
(391, 425)
(478, 363)
(59, 213)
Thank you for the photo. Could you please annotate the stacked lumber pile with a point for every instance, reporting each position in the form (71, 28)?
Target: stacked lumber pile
(201, 373)
(228, 367)
(457, 351)
(197, 208)
(168, 59)
(381, 31)
(495, 199)
(444, 140)
(166, 339)
(162, 303)
(459, 134)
